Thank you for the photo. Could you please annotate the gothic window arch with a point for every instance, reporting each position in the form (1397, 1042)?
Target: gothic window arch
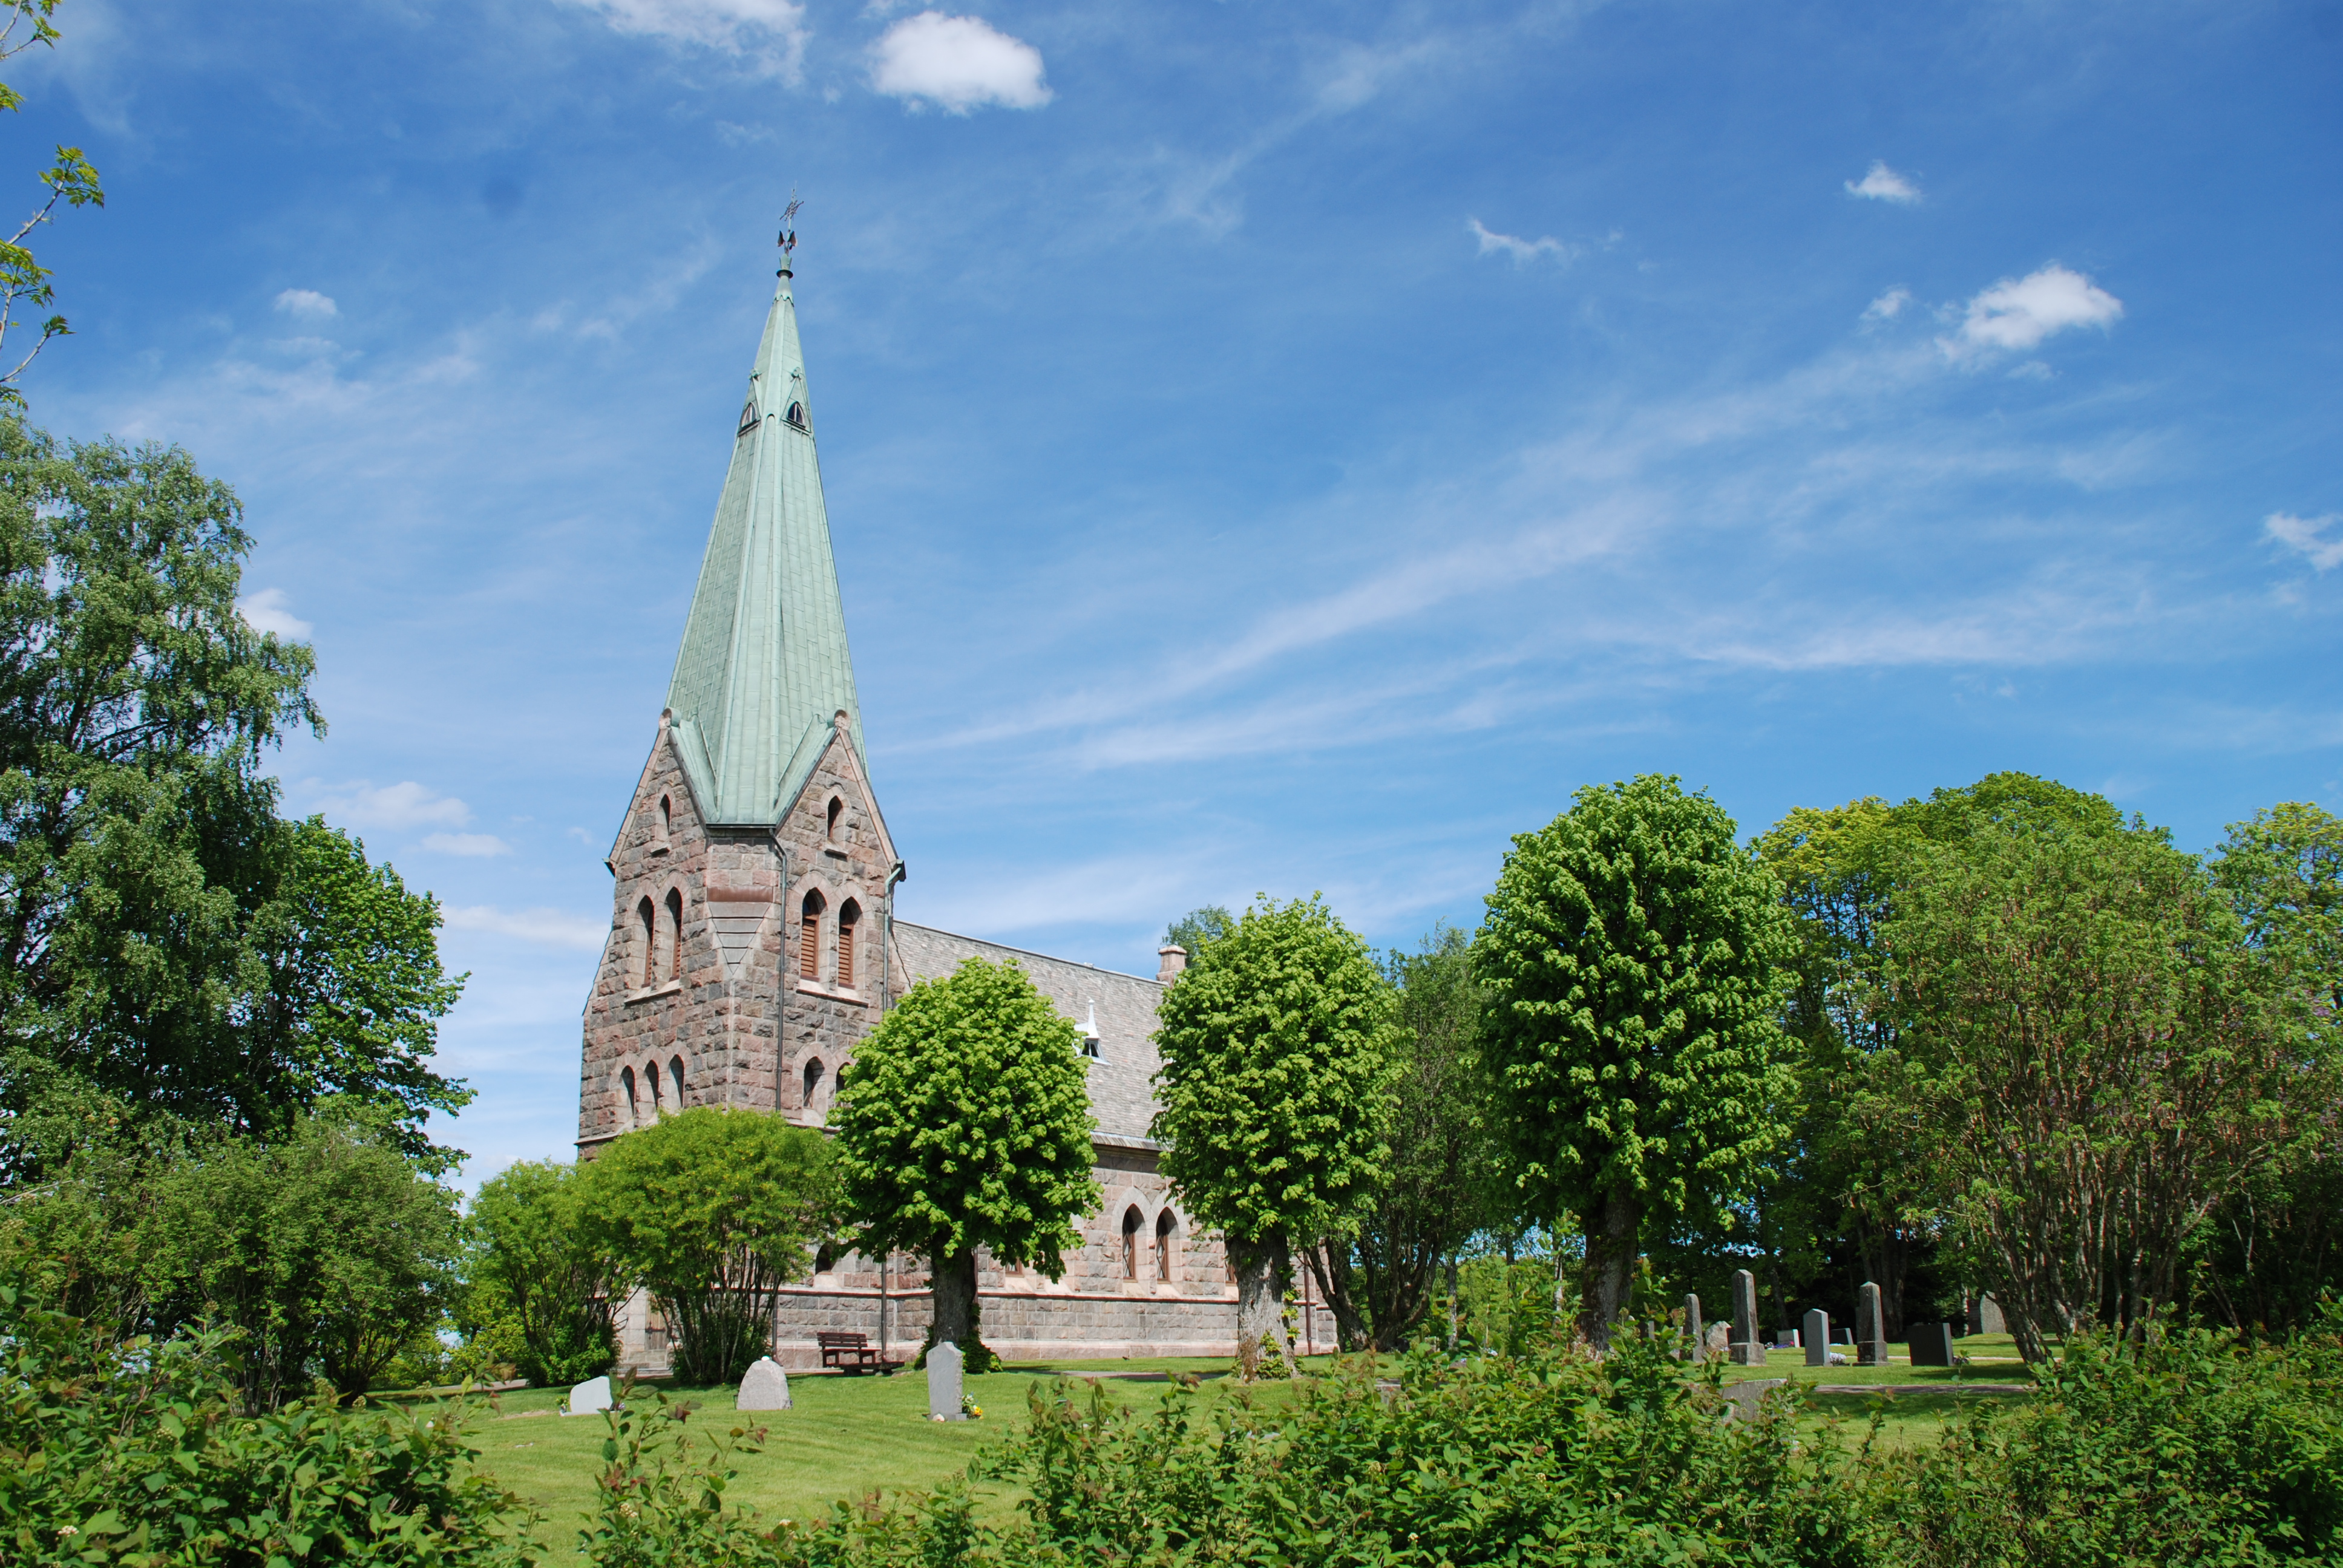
(675, 1078)
(675, 933)
(809, 936)
(795, 416)
(850, 916)
(747, 416)
(837, 810)
(627, 1082)
(664, 824)
(810, 1101)
(650, 1079)
(647, 920)
(1131, 1223)
(1166, 1230)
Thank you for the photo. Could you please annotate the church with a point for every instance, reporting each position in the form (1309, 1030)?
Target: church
(755, 938)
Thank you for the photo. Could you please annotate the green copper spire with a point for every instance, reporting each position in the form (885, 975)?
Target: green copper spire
(763, 669)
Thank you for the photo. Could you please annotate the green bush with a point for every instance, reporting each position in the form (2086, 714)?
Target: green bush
(140, 1452)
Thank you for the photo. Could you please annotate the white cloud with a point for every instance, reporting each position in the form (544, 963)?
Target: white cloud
(266, 611)
(475, 846)
(2307, 535)
(768, 34)
(2021, 312)
(956, 63)
(1520, 249)
(406, 805)
(1883, 183)
(1888, 306)
(546, 928)
(308, 303)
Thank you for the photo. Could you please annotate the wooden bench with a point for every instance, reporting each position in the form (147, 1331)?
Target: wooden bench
(852, 1352)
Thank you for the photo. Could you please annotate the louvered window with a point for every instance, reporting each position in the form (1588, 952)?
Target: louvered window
(810, 938)
(849, 914)
(675, 934)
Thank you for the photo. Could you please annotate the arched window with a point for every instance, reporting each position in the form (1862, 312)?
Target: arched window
(649, 923)
(675, 1078)
(837, 810)
(666, 818)
(1131, 1223)
(747, 416)
(650, 1078)
(1164, 1225)
(849, 914)
(824, 1260)
(795, 416)
(810, 937)
(675, 933)
(812, 1084)
(627, 1082)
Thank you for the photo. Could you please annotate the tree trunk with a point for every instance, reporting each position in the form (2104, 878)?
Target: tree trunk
(1329, 1264)
(953, 1314)
(1264, 1267)
(1610, 1264)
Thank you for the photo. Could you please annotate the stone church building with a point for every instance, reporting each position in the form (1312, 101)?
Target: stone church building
(755, 937)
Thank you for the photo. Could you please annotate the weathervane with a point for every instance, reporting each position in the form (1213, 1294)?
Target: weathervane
(788, 221)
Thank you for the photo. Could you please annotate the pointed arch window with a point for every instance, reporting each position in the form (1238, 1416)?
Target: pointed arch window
(675, 933)
(850, 915)
(1165, 1227)
(650, 1078)
(837, 810)
(627, 1082)
(811, 1100)
(747, 416)
(810, 937)
(1131, 1223)
(795, 416)
(648, 918)
(675, 1078)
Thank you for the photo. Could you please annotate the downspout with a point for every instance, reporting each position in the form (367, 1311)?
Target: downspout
(886, 991)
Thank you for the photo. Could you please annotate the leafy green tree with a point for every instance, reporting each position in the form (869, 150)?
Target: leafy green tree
(1630, 949)
(531, 1259)
(70, 179)
(2098, 1060)
(712, 1211)
(1276, 1095)
(1199, 928)
(330, 1251)
(964, 1121)
(1440, 1185)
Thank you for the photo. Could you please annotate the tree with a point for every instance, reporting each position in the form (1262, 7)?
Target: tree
(70, 179)
(963, 1122)
(1276, 1096)
(531, 1257)
(1630, 949)
(711, 1211)
(2097, 1056)
(1440, 1185)
(1198, 929)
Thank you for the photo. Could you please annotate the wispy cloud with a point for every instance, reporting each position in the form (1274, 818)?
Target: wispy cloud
(472, 846)
(2020, 313)
(545, 927)
(1888, 306)
(1520, 249)
(306, 303)
(271, 612)
(1883, 183)
(360, 804)
(767, 35)
(957, 64)
(2308, 535)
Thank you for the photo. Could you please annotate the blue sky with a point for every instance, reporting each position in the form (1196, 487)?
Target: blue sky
(1268, 447)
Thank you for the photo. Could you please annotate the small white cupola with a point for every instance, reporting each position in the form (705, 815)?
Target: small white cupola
(1089, 1031)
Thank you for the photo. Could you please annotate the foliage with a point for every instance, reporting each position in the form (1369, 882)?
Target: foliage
(2189, 1448)
(1275, 1093)
(1630, 949)
(1440, 1185)
(1199, 928)
(2095, 1061)
(712, 1210)
(532, 1261)
(164, 937)
(964, 1121)
(141, 1452)
(70, 179)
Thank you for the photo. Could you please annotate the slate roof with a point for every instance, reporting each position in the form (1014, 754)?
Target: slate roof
(1121, 1097)
(764, 665)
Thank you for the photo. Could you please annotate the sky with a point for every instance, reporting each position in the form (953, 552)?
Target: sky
(1269, 448)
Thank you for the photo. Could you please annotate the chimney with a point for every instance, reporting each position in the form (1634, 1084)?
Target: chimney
(1175, 958)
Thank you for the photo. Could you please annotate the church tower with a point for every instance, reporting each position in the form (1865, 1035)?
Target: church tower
(750, 936)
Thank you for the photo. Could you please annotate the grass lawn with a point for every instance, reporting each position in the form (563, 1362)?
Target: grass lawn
(850, 1436)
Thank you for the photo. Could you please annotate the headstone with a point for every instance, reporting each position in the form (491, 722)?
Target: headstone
(1989, 1318)
(589, 1397)
(1932, 1345)
(1748, 1350)
(764, 1387)
(1870, 1331)
(943, 1383)
(1693, 1337)
(1817, 1338)
(1720, 1341)
(1742, 1399)
(1785, 1339)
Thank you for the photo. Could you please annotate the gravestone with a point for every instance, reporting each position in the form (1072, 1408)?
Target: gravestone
(1720, 1341)
(1692, 1330)
(590, 1397)
(1748, 1350)
(1932, 1345)
(1817, 1338)
(765, 1387)
(1985, 1317)
(1870, 1332)
(1785, 1339)
(1742, 1400)
(943, 1383)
